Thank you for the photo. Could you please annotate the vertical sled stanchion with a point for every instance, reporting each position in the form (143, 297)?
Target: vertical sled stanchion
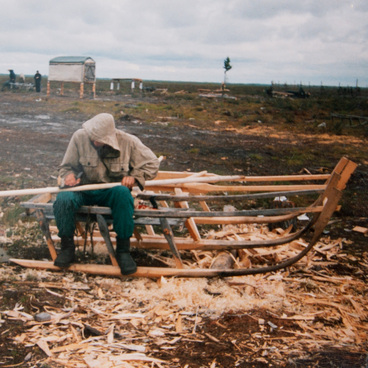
(104, 230)
(169, 236)
(44, 225)
(190, 223)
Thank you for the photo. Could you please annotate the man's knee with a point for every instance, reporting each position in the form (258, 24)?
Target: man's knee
(121, 198)
(121, 192)
(66, 201)
(65, 196)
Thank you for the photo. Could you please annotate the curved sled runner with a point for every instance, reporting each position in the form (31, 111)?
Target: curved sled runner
(177, 219)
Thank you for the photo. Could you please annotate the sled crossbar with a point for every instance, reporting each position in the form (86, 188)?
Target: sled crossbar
(176, 218)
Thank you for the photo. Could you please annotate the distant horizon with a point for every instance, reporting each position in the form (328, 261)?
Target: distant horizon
(219, 83)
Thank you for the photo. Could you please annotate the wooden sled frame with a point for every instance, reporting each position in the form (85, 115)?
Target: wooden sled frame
(180, 214)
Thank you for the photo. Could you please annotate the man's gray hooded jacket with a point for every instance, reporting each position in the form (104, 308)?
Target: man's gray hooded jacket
(122, 155)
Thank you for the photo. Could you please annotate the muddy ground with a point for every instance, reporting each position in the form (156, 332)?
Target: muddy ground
(35, 131)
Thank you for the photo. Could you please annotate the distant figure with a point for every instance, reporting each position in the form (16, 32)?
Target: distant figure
(8, 84)
(12, 76)
(37, 78)
(22, 78)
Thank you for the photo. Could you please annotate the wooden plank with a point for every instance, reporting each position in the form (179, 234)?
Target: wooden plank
(109, 270)
(179, 198)
(147, 241)
(204, 206)
(189, 223)
(41, 198)
(207, 188)
(185, 213)
(309, 177)
(332, 194)
(344, 168)
(340, 165)
(223, 197)
(328, 210)
(157, 242)
(163, 175)
(157, 272)
(361, 229)
(345, 174)
(242, 220)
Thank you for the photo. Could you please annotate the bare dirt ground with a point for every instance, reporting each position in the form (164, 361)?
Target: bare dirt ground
(35, 131)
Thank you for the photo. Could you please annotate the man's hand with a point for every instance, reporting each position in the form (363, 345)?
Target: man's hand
(128, 181)
(71, 181)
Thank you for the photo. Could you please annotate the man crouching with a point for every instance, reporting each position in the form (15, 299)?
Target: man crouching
(100, 153)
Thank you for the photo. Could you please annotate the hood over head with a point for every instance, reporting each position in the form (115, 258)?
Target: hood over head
(101, 128)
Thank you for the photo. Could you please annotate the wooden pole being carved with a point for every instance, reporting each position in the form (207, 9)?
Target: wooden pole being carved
(149, 183)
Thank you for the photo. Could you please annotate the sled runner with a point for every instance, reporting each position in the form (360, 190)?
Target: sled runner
(184, 217)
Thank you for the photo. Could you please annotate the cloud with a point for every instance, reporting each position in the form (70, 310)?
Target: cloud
(189, 39)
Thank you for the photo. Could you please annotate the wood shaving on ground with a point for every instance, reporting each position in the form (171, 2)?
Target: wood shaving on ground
(111, 322)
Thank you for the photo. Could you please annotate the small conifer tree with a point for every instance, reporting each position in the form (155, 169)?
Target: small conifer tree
(227, 67)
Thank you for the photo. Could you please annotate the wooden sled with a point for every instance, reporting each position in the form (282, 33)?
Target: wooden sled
(175, 219)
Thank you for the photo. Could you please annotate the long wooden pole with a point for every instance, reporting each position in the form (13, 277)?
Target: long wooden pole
(149, 183)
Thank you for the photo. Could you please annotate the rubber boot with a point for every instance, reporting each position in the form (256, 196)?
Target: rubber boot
(125, 261)
(66, 255)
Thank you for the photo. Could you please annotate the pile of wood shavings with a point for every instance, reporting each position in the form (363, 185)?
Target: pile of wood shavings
(246, 258)
(110, 322)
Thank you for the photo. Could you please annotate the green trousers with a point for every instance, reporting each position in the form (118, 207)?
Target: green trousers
(118, 198)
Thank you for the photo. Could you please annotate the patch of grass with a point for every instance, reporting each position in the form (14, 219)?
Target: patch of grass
(194, 151)
(12, 215)
(255, 156)
(72, 109)
(299, 157)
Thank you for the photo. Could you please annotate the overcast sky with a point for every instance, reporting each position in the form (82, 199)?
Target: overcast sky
(285, 41)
